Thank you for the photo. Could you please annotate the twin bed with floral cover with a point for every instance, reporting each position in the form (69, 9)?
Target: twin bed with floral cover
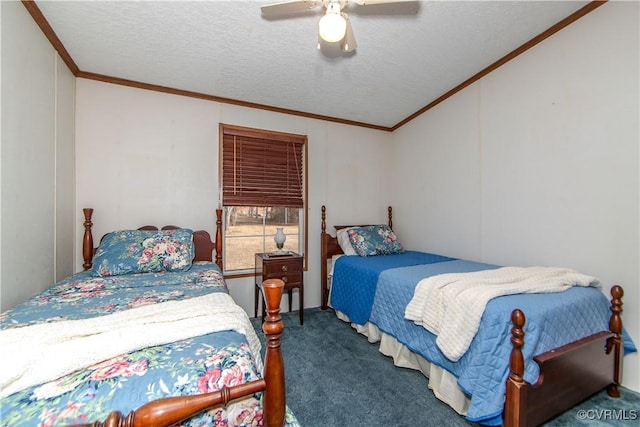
(145, 322)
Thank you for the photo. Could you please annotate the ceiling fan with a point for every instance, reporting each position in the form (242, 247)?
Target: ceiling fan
(334, 26)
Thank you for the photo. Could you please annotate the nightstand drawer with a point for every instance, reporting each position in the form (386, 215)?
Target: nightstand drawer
(282, 267)
(288, 279)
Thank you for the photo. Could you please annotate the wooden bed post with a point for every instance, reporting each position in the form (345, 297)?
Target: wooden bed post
(87, 240)
(615, 343)
(218, 241)
(516, 387)
(324, 297)
(390, 215)
(274, 399)
(323, 224)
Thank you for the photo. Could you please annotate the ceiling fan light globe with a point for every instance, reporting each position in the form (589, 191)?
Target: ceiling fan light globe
(332, 27)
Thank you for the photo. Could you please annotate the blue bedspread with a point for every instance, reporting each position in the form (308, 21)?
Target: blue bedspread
(552, 320)
(192, 366)
(356, 302)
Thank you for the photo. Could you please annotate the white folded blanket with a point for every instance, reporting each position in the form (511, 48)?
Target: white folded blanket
(44, 352)
(451, 305)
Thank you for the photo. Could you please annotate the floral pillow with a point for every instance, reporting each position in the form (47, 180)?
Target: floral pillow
(374, 240)
(144, 251)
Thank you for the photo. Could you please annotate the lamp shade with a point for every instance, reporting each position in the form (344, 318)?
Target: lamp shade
(332, 27)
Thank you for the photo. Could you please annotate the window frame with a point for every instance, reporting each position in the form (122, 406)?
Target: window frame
(227, 129)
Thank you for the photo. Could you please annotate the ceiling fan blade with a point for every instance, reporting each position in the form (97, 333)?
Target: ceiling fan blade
(348, 43)
(289, 7)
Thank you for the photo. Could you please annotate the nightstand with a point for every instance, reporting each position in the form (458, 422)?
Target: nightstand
(288, 267)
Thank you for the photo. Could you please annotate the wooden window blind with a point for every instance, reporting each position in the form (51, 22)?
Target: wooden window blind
(261, 168)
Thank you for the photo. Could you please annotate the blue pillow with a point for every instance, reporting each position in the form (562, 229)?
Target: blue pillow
(374, 240)
(144, 251)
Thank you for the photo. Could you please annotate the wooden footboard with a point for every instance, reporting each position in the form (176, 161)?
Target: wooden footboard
(568, 374)
(172, 410)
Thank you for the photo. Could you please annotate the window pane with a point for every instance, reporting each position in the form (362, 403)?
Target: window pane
(251, 229)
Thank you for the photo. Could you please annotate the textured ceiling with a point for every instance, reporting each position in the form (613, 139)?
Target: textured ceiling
(408, 54)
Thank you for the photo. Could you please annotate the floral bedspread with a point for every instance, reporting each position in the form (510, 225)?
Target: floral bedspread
(195, 365)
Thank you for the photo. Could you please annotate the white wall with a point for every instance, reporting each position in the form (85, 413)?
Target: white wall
(145, 157)
(538, 162)
(1, 304)
(64, 197)
(37, 146)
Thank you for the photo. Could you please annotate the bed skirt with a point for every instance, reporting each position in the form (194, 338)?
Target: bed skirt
(443, 384)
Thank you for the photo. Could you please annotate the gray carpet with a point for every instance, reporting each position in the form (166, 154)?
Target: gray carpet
(335, 377)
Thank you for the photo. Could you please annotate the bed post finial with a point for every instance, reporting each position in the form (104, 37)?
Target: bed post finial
(324, 219)
(390, 217)
(87, 240)
(615, 323)
(274, 398)
(615, 343)
(218, 243)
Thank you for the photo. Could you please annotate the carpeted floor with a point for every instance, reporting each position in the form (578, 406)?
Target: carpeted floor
(335, 377)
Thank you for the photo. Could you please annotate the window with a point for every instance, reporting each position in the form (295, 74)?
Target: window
(262, 176)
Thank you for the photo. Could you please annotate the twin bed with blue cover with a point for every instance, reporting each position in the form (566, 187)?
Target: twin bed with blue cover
(148, 329)
(572, 331)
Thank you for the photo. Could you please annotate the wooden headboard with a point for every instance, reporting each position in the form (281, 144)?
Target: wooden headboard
(329, 247)
(204, 247)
